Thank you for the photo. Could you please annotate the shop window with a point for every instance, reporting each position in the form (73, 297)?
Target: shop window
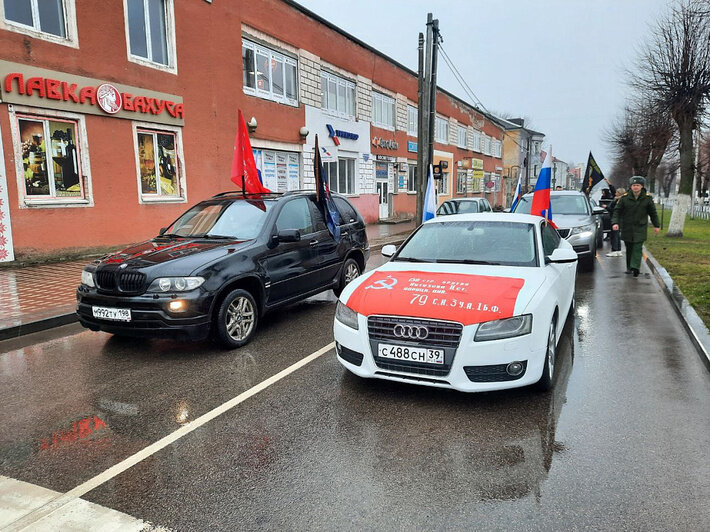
(279, 170)
(151, 32)
(476, 184)
(52, 20)
(382, 111)
(412, 181)
(461, 178)
(441, 130)
(341, 175)
(50, 170)
(462, 137)
(338, 94)
(444, 184)
(412, 121)
(269, 74)
(159, 172)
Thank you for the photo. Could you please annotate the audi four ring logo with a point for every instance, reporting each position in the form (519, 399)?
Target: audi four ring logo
(415, 332)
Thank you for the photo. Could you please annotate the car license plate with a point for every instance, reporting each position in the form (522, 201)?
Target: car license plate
(411, 354)
(113, 314)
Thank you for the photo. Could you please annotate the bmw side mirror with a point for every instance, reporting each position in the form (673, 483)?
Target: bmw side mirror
(389, 250)
(288, 235)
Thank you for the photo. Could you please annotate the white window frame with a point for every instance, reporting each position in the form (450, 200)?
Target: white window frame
(82, 152)
(382, 100)
(444, 189)
(459, 175)
(441, 130)
(147, 199)
(70, 28)
(477, 141)
(412, 121)
(487, 147)
(169, 37)
(462, 137)
(272, 55)
(350, 97)
(336, 188)
(411, 183)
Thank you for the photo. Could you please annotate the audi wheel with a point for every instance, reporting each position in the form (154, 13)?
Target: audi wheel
(548, 371)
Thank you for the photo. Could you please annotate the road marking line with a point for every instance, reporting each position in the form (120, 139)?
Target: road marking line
(61, 500)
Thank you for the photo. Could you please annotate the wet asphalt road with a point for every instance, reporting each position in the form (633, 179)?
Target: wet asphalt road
(621, 444)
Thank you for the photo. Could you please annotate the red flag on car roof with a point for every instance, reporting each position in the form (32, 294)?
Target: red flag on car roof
(244, 173)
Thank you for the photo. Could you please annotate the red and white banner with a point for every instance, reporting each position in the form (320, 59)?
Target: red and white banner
(464, 298)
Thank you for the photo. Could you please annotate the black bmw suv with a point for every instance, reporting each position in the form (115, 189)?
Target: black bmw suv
(220, 266)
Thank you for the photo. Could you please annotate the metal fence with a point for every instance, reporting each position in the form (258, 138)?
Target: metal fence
(700, 210)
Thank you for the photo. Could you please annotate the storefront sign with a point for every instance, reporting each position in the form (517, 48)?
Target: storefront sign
(412, 146)
(477, 164)
(385, 144)
(478, 174)
(27, 85)
(337, 134)
(385, 158)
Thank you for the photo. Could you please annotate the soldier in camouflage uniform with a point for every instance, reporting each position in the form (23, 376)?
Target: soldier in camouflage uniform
(631, 213)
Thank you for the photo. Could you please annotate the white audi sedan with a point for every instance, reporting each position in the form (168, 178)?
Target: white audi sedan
(474, 302)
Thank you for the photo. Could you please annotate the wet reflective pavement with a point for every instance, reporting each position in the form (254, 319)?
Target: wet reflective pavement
(621, 443)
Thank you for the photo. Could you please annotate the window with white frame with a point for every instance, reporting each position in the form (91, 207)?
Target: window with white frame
(341, 175)
(461, 178)
(50, 158)
(159, 173)
(462, 137)
(338, 94)
(52, 20)
(412, 121)
(412, 177)
(441, 130)
(382, 110)
(497, 148)
(444, 183)
(477, 141)
(151, 32)
(487, 148)
(269, 74)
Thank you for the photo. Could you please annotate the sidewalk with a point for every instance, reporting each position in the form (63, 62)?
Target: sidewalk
(35, 298)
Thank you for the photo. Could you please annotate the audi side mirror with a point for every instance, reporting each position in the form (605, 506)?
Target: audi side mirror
(561, 256)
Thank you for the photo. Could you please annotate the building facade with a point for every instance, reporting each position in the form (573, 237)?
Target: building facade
(114, 120)
(522, 147)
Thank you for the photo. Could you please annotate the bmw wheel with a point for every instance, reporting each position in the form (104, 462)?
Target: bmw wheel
(350, 272)
(548, 371)
(237, 318)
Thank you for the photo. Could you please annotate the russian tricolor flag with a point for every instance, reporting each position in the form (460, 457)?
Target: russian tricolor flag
(541, 205)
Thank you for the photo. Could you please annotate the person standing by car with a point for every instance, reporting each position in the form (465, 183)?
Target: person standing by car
(615, 239)
(632, 212)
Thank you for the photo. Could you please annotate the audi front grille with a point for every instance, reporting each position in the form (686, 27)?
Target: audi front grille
(439, 333)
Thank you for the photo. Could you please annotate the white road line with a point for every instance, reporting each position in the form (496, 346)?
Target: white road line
(61, 500)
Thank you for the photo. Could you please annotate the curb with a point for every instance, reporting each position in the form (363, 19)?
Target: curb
(65, 319)
(697, 331)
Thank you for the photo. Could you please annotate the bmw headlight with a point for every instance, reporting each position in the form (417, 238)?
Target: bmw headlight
(589, 228)
(175, 284)
(87, 278)
(506, 328)
(346, 316)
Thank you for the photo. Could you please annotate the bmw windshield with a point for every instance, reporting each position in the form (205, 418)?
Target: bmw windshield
(472, 242)
(241, 220)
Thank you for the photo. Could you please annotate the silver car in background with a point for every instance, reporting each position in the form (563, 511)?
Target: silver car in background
(577, 221)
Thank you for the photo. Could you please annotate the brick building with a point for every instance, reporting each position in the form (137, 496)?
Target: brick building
(113, 120)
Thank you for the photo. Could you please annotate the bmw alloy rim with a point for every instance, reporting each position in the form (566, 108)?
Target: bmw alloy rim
(351, 273)
(240, 318)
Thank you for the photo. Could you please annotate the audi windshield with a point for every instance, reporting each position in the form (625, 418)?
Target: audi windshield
(469, 242)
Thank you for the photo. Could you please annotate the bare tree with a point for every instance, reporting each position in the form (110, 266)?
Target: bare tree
(667, 172)
(674, 70)
(639, 140)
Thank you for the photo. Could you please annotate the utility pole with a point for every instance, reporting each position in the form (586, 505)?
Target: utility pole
(427, 111)
(420, 132)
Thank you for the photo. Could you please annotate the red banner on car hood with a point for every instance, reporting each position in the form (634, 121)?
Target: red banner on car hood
(467, 299)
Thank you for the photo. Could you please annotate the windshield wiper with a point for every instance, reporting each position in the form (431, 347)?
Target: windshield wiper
(412, 259)
(467, 261)
(171, 235)
(218, 237)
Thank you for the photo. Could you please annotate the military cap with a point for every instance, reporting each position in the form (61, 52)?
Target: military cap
(637, 180)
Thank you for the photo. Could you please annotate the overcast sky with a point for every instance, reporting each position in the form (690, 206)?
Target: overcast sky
(558, 63)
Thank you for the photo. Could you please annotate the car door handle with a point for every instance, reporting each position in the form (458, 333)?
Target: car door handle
(313, 242)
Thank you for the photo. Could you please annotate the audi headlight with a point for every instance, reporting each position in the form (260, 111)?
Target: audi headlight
(175, 284)
(589, 228)
(506, 328)
(87, 278)
(346, 316)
